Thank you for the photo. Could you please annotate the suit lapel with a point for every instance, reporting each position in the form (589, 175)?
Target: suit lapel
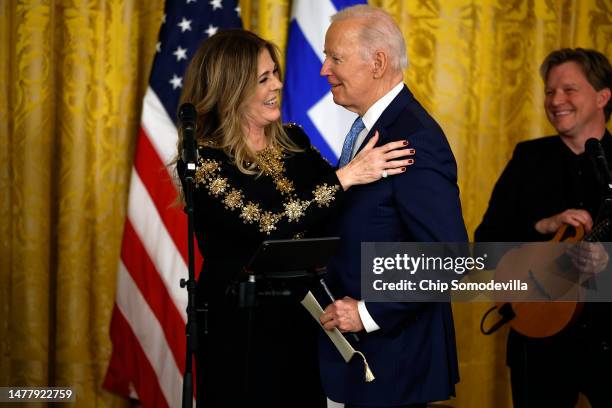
(388, 116)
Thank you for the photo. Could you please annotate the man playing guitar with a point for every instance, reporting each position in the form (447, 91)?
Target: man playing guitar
(550, 182)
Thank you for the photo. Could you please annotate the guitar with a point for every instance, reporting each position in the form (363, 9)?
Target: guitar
(546, 267)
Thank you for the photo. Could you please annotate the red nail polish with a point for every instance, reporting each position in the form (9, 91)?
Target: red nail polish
(403, 169)
(410, 161)
(405, 142)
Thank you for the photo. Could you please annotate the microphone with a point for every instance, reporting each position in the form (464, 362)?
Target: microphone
(598, 158)
(187, 118)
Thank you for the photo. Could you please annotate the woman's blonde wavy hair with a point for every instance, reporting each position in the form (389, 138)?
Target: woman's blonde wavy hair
(219, 81)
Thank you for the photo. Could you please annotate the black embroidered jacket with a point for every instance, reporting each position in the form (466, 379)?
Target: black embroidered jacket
(235, 212)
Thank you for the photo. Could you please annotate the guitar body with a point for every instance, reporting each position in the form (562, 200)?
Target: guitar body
(543, 319)
(537, 263)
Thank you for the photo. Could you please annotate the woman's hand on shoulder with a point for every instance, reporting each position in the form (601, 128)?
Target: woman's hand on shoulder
(373, 163)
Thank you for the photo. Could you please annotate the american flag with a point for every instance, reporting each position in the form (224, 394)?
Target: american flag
(148, 322)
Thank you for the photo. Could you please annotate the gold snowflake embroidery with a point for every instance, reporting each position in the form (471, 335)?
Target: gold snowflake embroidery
(325, 194)
(218, 186)
(233, 199)
(270, 161)
(294, 209)
(206, 170)
(250, 213)
(284, 186)
(267, 222)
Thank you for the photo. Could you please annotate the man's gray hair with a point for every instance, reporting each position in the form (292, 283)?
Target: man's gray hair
(379, 32)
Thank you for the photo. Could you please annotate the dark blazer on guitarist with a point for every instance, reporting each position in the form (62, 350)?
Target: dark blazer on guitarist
(544, 178)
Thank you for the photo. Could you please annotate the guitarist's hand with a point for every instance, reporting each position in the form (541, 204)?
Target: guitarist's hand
(589, 258)
(572, 217)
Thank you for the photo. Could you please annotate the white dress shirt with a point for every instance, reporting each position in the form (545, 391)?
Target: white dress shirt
(372, 115)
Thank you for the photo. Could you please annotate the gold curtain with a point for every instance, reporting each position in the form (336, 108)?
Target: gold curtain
(72, 78)
(73, 74)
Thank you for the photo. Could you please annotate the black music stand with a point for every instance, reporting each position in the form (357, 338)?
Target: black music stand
(277, 260)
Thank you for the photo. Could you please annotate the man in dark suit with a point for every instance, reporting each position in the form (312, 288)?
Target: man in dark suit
(550, 182)
(410, 347)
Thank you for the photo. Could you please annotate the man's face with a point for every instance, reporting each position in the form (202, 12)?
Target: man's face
(572, 105)
(349, 75)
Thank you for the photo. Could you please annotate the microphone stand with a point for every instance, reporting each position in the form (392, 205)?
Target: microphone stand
(191, 330)
(187, 116)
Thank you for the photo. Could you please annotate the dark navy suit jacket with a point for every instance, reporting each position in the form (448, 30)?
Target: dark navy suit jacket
(413, 355)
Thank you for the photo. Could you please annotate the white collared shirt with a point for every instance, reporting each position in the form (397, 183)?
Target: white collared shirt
(373, 114)
(369, 119)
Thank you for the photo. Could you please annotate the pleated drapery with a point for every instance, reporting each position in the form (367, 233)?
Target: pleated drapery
(72, 78)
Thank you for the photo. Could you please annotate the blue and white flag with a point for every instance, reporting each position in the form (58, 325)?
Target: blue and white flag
(307, 98)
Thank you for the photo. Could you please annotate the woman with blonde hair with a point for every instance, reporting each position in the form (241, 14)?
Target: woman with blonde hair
(257, 180)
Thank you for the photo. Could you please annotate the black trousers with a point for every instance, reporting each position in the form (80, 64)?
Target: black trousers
(552, 372)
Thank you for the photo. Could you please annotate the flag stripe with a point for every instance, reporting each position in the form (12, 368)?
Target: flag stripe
(129, 364)
(139, 266)
(331, 119)
(313, 22)
(156, 179)
(148, 331)
(157, 241)
(159, 125)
